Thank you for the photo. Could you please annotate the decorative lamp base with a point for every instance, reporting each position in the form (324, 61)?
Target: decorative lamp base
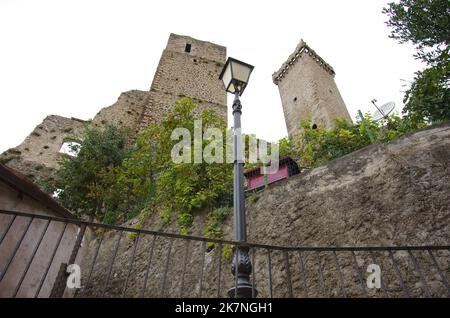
(244, 290)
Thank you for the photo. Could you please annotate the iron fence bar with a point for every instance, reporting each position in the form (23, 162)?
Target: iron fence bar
(33, 254)
(148, 266)
(443, 277)
(253, 274)
(383, 285)
(50, 261)
(399, 274)
(130, 266)
(358, 270)
(270, 273)
(61, 279)
(288, 273)
(45, 217)
(93, 262)
(372, 250)
(186, 255)
(111, 265)
(234, 243)
(7, 228)
(219, 274)
(60, 282)
(422, 279)
(341, 278)
(166, 268)
(321, 280)
(77, 245)
(202, 270)
(16, 248)
(236, 265)
(302, 270)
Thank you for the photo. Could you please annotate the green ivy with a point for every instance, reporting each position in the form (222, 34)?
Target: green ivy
(313, 147)
(215, 219)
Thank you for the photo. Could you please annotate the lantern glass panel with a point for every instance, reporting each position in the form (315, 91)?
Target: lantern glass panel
(240, 71)
(226, 77)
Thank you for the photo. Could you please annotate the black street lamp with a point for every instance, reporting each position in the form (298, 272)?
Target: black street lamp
(235, 75)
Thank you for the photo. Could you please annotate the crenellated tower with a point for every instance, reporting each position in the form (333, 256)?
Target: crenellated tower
(308, 90)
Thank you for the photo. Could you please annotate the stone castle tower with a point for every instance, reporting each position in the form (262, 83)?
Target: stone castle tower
(308, 90)
(187, 68)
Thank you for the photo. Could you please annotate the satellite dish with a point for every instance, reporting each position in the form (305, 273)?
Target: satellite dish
(382, 111)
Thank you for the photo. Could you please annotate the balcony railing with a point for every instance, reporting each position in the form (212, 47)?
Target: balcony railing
(117, 261)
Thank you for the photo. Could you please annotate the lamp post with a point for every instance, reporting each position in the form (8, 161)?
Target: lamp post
(235, 75)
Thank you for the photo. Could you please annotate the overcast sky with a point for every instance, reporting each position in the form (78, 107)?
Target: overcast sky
(72, 58)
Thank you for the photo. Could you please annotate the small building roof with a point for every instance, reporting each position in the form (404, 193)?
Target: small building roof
(257, 170)
(18, 181)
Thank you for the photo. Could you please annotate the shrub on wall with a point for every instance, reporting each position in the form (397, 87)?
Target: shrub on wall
(315, 146)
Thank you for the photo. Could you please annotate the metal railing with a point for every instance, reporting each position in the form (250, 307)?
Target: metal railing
(117, 261)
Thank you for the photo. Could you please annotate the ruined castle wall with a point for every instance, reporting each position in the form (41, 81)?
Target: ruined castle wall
(38, 155)
(390, 194)
(193, 74)
(160, 103)
(125, 112)
(308, 90)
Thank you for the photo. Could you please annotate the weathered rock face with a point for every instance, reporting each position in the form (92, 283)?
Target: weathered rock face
(386, 194)
(393, 194)
(38, 155)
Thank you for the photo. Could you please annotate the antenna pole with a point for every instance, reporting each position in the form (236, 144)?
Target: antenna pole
(381, 112)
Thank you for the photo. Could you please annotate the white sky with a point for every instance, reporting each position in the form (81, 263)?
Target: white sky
(72, 58)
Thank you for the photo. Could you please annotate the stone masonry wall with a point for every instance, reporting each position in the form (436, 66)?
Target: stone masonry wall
(38, 155)
(390, 194)
(193, 74)
(308, 90)
(126, 112)
(207, 50)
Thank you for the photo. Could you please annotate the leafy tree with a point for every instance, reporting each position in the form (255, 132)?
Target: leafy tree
(429, 94)
(87, 180)
(111, 182)
(425, 24)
